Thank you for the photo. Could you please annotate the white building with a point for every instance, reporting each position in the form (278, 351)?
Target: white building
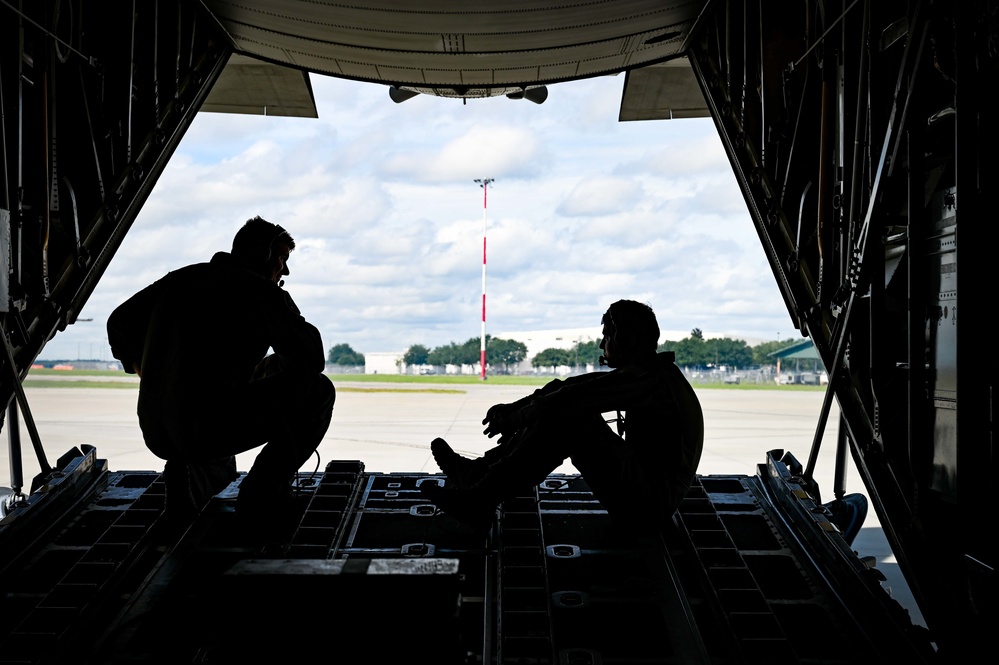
(386, 362)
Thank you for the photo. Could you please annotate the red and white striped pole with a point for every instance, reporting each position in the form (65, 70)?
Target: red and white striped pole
(484, 183)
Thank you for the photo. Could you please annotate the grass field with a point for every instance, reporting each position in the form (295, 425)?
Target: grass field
(55, 378)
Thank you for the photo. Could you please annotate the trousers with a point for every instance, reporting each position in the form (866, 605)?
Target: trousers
(611, 466)
(286, 411)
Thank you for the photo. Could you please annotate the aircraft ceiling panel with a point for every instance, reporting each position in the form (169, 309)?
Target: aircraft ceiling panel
(258, 45)
(397, 73)
(514, 76)
(348, 68)
(559, 72)
(391, 23)
(447, 47)
(255, 87)
(663, 91)
(590, 58)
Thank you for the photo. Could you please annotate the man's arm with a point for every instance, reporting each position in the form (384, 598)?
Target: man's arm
(297, 341)
(506, 419)
(618, 390)
(555, 385)
(127, 327)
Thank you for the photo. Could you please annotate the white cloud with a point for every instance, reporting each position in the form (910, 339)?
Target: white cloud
(601, 196)
(380, 198)
(478, 152)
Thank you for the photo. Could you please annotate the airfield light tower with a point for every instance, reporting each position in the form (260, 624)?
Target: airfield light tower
(484, 183)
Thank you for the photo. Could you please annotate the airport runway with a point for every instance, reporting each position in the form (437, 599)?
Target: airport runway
(389, 427)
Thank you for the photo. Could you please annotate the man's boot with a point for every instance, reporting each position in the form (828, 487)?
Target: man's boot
(475, 505)
(264, 496)
(210, 478)
(180, 505)
(471, 506)
(460, 471)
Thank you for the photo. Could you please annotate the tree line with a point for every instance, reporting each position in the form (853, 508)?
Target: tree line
(344, 355)
(691, 351)
(500, 353)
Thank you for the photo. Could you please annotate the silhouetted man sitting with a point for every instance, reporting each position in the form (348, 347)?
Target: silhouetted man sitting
(198, 338)
(639, 473)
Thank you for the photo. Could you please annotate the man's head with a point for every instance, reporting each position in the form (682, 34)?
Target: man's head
(630, 333)
(263, 248)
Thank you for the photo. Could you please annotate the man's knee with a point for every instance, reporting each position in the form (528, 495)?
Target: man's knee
(329, 388)
(314, 399)
(306, 391)
(326, 393)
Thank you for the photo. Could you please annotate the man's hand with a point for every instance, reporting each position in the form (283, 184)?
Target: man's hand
(507, 419)
(270, 366)
(137, 368)
(497, 419)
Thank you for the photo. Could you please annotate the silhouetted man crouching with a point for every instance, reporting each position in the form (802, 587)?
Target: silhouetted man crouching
(198, 338)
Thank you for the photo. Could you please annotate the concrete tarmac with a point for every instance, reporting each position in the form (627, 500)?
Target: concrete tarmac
(389, 427)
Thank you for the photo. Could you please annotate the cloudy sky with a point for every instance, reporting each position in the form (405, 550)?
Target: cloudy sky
(388, 220)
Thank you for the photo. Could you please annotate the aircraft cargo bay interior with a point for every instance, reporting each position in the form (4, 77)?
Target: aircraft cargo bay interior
(841, 124)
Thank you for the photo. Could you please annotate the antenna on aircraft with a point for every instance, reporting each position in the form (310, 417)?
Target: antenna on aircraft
(537, 95)
(484, 184)
(398, 95)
